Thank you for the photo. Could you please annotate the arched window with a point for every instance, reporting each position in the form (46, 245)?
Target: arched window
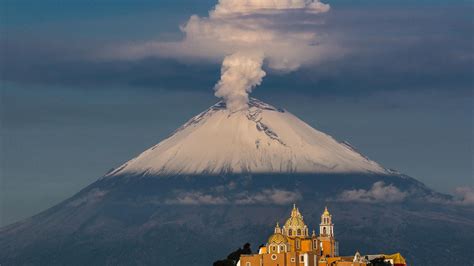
(324, 230)
(297, 243)
(282, 248)
(298, 232)
(248, 264)
(290, 232)
(315, 244)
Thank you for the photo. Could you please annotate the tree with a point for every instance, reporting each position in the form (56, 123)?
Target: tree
(234, 257)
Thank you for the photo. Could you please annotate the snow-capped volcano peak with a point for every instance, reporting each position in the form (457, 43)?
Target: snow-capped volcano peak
(260, 139)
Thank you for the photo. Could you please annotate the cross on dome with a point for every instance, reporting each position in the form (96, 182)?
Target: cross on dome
(326, 212)
(295, 225)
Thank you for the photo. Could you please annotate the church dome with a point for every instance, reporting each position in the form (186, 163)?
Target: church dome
(277, 238)
(326, 212)
(295, 221)
(294, 225)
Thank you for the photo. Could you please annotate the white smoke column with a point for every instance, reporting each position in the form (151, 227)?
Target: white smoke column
(285, 34)
(240, 73)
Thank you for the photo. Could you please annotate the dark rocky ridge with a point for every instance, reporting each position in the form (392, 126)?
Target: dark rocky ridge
(195, 220)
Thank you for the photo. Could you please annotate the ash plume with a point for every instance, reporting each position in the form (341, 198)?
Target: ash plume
(240, 73)
(283, 34)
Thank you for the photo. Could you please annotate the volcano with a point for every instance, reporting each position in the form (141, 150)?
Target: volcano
(220, 180)
(260, 139)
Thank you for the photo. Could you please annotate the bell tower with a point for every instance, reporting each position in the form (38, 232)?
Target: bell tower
(328, 244)
(326, 227)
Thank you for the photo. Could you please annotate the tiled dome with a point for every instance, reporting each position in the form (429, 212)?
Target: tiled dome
(277, 238)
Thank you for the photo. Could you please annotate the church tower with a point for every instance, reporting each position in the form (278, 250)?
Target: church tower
(292, 245)
(277, 229)
(326, 227)
(328, 244)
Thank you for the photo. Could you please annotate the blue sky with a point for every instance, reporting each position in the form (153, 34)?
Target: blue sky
(403, 96)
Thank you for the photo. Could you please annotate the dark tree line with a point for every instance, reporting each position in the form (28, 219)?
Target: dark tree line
(234, 257)
(379, 262)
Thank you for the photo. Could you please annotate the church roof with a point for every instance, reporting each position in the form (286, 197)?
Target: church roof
(397, 258)
(296, 219)
(294, 222)
(277, 238)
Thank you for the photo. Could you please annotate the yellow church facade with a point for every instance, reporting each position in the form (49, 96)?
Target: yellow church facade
(292, 245)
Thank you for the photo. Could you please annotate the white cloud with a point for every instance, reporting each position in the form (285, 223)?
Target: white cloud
(231, 7)
(280, 33)
(286, 40)
(266, 196)
(197, 198)
(464, 196)
(223, 188)
(269, 196)
(379, 192)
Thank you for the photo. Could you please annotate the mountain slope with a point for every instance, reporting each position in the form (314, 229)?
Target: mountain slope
(194, 220)
(262, 139)
(224, 179)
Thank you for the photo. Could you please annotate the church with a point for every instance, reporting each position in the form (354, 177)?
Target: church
(293, 245)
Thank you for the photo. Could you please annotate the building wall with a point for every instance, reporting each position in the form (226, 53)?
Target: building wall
(281, 259)
(274, 259)
(254, 260)
(306, 245)
(313, 255)
(349, 263)
(328, 246)
(339, 261)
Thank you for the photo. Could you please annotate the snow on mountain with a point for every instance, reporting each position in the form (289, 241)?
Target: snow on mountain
(260, 139)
